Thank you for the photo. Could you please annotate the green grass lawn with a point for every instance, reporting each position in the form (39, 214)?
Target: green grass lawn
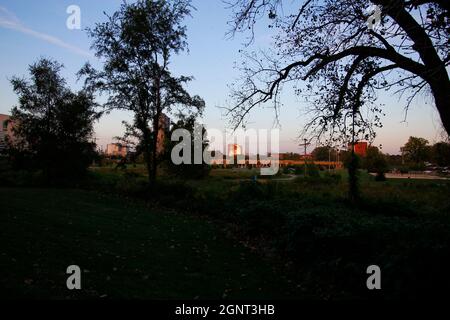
(125, 249)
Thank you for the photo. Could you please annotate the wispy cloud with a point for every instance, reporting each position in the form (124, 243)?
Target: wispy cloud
(10, 21)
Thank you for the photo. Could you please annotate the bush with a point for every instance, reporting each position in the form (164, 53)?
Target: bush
(312, 170)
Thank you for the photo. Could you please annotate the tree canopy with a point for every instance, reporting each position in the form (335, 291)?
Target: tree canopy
(416, 150)
(375, 161)
(136, 44)
(440, 152)
(322, 153)
(53, 126)
(197, 144)
(339, 60)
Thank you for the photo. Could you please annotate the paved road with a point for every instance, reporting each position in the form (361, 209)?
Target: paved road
(422, 176)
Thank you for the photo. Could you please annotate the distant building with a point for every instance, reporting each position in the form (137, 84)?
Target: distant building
(360, 148)
(234, 150)
(116, 150)
(6, 130)
(120, 150)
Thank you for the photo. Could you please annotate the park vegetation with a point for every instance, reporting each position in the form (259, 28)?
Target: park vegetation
(300, 223)
(53, 126)
(137, 44)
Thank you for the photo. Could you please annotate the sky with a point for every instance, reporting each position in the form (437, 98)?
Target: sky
(33, 29)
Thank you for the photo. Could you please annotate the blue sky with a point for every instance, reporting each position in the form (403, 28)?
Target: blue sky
(33, 29)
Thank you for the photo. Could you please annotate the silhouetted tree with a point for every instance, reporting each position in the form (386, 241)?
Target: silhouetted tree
(352, 162)
(53, 126)
(416, 150)
(440, 153)
(375, 161)
(344, 62)
(197, 145)
(136, 44)
(322, 153)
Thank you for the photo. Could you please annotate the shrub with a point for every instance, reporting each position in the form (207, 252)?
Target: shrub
(312, 170)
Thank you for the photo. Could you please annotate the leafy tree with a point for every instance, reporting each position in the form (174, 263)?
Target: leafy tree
(394, 160)
(192, 170)
(322, 153)
(352, 162)
(53, 125)
(375, 161)
(440, 153)
(136, 44)
(344, 60)
(416, 150)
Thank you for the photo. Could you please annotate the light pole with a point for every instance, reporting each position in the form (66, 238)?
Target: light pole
(305, 144)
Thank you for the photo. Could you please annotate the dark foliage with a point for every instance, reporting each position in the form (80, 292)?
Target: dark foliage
(441, 153)
(53, 126)
(375, 161)
(197, 144)
(339, 61)
(137, 44)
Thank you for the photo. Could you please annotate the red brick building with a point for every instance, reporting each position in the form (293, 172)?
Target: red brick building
(360, 148)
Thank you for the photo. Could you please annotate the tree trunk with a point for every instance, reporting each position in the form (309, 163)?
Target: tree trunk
(147, 146)
(353, 183)
(441, 93)
(148, 163)
(353, 187)
(154, 164)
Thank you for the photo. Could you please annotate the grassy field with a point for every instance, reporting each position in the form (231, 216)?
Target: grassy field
(190, 238)
(125, 249)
